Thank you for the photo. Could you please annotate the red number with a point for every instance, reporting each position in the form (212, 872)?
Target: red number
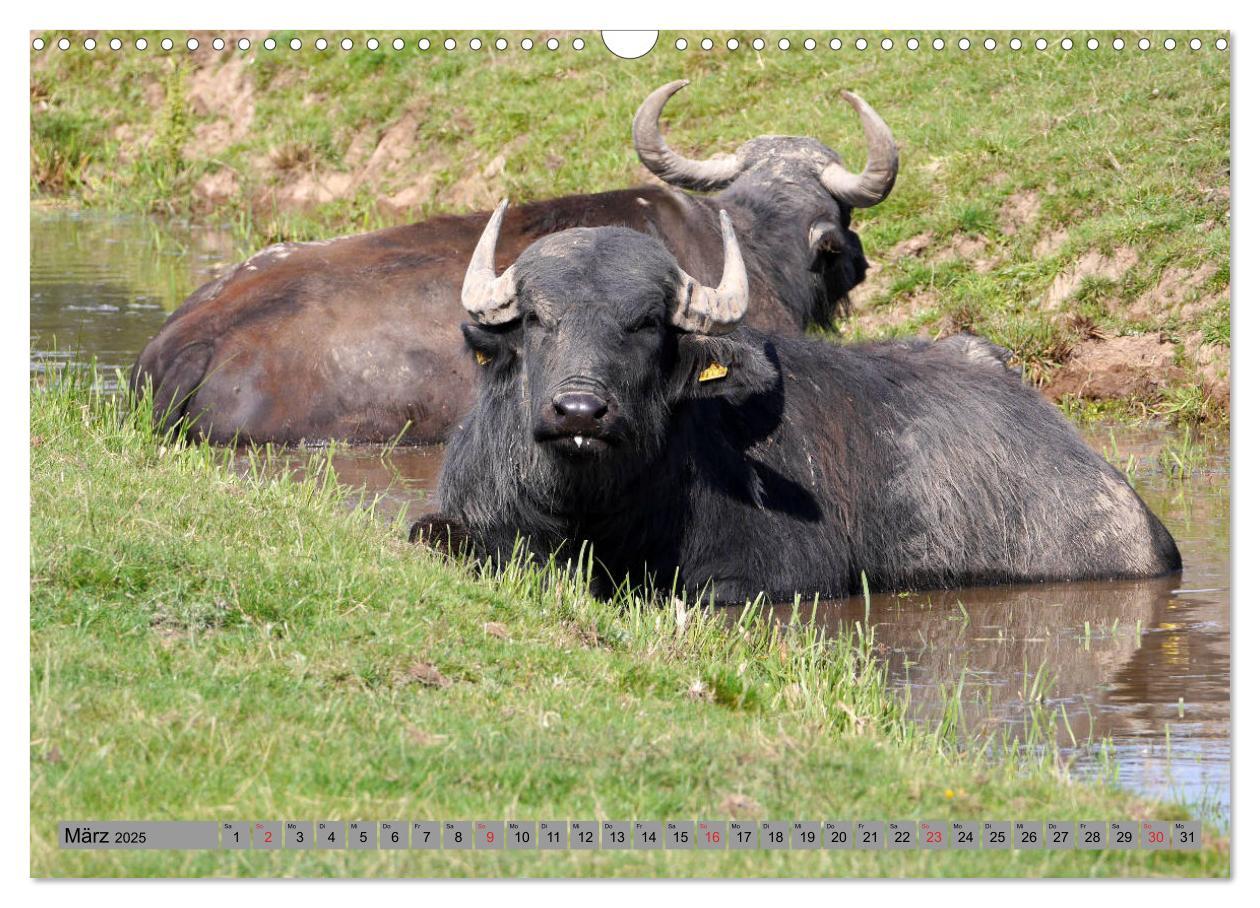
(489, 837)
(267, 836)
(934, 836)
(713, 836)
(1156, 836)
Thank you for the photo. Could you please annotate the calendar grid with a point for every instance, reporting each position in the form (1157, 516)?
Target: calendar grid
(633, 835)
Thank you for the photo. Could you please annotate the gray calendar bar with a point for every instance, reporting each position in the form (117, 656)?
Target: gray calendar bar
(634, 835)
(140, 836)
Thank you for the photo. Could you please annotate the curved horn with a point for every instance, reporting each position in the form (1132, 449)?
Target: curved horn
(489, 300)
(872, 185)
(715, 310)
(673, 168)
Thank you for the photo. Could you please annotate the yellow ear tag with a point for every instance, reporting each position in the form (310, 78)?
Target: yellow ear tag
(712, 372)
(482, 359)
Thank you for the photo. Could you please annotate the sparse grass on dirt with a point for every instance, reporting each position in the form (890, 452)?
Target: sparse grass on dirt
(1071, 205)
(206, 645)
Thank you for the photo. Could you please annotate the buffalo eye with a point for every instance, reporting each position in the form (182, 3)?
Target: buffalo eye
(532, 321)
(647, 323)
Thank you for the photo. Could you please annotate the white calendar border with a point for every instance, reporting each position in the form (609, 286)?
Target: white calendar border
(919, 14)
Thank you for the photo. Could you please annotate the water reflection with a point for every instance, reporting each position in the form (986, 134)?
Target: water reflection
(1142, 663)
(102, 286)
(395, 482)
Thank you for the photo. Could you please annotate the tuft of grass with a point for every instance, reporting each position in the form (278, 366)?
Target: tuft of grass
(61, 149)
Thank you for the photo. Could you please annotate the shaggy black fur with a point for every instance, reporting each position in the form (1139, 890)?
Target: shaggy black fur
(921, 464)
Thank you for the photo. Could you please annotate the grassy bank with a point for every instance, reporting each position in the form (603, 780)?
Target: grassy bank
(1071, 204)
(210, 646)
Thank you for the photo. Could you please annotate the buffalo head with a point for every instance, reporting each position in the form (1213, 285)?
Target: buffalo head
(594, 336)
(805, 191)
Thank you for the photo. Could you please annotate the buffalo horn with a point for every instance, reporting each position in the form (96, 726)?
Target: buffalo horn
(714, 310)
(872, 185)
(489, 300)
(702, 176)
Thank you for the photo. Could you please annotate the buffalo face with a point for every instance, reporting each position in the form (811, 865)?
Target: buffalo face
(597, 336)
(803, 193)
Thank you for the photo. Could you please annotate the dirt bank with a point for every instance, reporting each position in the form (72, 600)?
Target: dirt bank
(1085, 232)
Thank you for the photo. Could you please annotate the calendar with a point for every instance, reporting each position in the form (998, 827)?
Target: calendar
(633, 835)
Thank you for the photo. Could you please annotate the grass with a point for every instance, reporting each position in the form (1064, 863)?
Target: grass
(208, 643)
(1033, 159)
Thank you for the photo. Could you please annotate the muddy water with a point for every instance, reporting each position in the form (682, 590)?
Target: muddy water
(103, 286)
(1143, 666)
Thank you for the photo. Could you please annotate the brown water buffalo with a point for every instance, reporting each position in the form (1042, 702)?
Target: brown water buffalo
(358, 339)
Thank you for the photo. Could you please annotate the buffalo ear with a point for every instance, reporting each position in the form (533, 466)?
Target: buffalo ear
(733, 366)
(837, 251)
(491, 347)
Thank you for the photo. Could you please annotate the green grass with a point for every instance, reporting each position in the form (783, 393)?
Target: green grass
(1117, 151)
(207, 643)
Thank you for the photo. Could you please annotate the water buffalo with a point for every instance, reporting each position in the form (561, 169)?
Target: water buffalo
(357, 339)
(623, 404)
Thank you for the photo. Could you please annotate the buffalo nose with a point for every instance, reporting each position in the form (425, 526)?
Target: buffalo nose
(579, 410)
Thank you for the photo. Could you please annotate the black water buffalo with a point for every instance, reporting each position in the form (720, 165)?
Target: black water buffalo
(623, 405)
(357, 339)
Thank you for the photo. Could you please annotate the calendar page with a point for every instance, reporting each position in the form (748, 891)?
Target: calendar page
(720, 453)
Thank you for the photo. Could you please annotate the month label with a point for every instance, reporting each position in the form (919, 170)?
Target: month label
(133, 835)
